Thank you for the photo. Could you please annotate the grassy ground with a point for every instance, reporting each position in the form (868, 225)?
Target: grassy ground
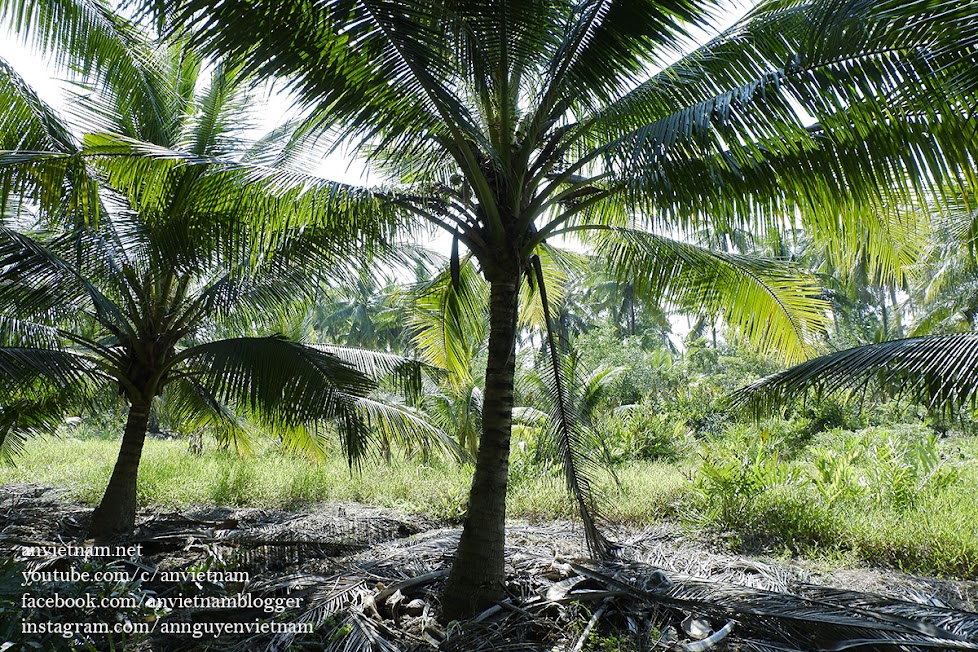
(170, 477)
(893, 497)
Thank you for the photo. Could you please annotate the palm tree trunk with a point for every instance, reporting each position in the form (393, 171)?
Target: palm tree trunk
(116, 513)
(478, 575)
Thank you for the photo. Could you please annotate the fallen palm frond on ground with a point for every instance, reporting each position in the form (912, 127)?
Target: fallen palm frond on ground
(369, 579)
(391, 603)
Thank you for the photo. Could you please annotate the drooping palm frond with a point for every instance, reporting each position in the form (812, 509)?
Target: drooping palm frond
(198, 412)
(284, 382)
(771, 303)
(392, 423)
(557, 266)
(297, 389)
(39, 388)
(568, 431)
(36, 410)
(940, 371)
(45, 277)
(404, 374)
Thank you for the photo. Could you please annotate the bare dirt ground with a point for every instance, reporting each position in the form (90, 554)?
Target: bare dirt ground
(373, 576)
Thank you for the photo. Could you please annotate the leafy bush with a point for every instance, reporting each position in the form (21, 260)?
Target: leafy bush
(886, 495)
(732, 477)
(905, 469)
(826, 413)
(643, 433)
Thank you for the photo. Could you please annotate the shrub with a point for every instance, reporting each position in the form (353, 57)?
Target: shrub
(641, 432)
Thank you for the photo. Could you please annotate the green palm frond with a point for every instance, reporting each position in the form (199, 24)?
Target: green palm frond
(611, 48)
(771, 303)
(296, 389)
(22, 367)
(153, 178)
(941, 371)
(392, 423)
(217, 124)
(38, 156)
(557, 266)
(395, 74)
(39, 388)
(36, 411)
(94, 42)
(283, 382)
(405, 374)
(42, 281)
(198, 410)
(450, 321)
(28, 123)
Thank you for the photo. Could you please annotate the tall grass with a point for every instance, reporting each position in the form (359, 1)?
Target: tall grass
(171, 477)
(895, 496)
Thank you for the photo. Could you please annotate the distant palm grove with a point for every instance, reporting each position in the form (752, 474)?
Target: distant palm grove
(726, 250)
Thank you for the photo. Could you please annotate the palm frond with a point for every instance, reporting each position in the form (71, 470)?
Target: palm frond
(568, 433)
(38, 157)
(283, 382)
(406, 374)
(940, 371)
(38, 389)
(225, 195)
(390, 67)
(389, 422)
(450, 320)
(94, 42)
(41, 282)
(199, 411)
(20, 367)
(771, 303)
(28, 123)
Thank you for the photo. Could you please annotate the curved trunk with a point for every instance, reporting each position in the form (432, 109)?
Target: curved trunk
(116, 513)
(478, 574)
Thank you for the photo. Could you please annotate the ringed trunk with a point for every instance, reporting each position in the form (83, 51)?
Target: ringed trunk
(116, 513)
(478, 575)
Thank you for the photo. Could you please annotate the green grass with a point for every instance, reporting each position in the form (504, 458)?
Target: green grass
(767, 503)
(900, 497)
(170, 477)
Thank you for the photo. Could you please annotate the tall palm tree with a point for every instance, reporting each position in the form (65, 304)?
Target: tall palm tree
(176, 248)
(508, 122)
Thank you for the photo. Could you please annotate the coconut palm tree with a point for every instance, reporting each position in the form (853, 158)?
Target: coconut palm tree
(146, 245)
(507, 122)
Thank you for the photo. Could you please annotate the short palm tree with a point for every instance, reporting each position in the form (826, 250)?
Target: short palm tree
(176, 250)
(508, 122)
